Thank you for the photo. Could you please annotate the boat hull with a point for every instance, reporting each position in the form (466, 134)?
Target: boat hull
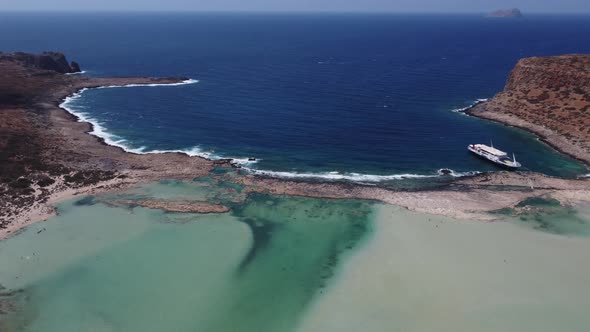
(495, 160)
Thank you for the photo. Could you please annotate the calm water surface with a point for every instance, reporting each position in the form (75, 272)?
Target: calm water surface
(332, 96)
(100, 267)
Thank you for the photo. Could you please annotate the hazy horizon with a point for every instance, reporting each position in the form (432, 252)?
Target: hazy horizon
(286, 6)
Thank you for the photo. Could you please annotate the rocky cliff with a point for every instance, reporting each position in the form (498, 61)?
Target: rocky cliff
(47, 61)
(549, 96)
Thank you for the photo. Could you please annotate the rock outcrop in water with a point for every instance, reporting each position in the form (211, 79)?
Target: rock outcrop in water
(54, 61)
(549, 96)
(514, 12)
(181, 206)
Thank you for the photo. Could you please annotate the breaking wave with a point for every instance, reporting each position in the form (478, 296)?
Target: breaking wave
(185, 82)
(357, 177)
(77, 73)
(463, 109)
(100, 131)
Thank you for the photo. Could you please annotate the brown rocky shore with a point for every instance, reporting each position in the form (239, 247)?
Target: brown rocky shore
(46, 156)
(548, 96)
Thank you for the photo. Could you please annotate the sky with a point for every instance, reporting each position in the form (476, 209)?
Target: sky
(547, 6)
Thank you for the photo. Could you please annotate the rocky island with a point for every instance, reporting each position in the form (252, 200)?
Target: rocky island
(47, 155)
(506, 13)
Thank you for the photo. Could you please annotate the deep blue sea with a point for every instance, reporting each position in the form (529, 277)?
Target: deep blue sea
(355, 96)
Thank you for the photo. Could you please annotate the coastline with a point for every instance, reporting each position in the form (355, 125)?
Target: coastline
(549, 97)
(98, 131)
(56, 158)
(80, 163)
(545, 134)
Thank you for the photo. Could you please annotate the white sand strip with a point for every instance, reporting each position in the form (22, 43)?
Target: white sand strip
(429, 273)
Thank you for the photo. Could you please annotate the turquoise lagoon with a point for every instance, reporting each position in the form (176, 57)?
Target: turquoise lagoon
(99, 266)
(278, 263)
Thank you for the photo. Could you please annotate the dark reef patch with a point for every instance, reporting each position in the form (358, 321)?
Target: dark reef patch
(261, 233)
(86, 201)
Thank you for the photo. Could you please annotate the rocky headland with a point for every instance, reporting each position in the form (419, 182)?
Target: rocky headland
(47, 155)
(549, 96)
(53, 61)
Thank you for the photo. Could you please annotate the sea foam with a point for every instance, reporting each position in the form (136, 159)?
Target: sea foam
(185, 82)
(356, 177)
(77, 73)
(463, 109)
(100, 131)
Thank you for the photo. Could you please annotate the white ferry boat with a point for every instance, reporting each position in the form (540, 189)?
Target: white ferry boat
(494, 155)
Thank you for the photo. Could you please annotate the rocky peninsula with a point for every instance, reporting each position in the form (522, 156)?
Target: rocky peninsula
(47, 155)
(549, 96)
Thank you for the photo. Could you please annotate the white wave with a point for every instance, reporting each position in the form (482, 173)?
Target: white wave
(185, 82)
(244, 161)
(354, 177)
(195, 151)
(97, 129)
(100, 131)
(77, 73)
(463, 109)
(450, 172)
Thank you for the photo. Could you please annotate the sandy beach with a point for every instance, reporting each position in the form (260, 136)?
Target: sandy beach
(432, 273)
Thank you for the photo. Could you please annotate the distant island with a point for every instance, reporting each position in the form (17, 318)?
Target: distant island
(514, 12)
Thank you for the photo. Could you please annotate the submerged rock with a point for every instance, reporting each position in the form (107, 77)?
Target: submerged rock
(176, 206)
(445, 171)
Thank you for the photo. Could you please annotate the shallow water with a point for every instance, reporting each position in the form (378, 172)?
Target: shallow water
(421, 273)
(288, 264)
(549, 215)
(106, 268)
